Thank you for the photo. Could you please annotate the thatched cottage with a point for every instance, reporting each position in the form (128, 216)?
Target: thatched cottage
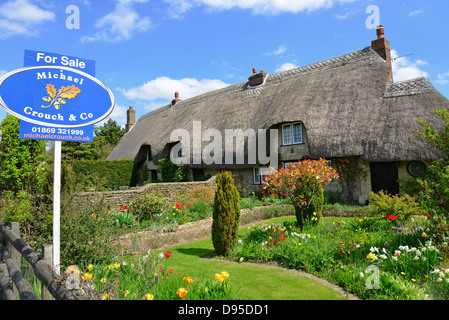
(347, 107)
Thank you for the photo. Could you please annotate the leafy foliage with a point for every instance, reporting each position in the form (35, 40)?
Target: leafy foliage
(226, 214)
(105, 139)
(402, 206)
(202, 192)
(171, 172)
(315, 211)
(20, 159)
(105, 174)
(148, 205)
(432, 189)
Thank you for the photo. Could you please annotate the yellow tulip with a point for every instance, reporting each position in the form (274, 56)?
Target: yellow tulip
(88, 276)
(181, 292)
(148, 296)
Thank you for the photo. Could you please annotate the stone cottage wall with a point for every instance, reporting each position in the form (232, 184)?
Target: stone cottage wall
(171, 190)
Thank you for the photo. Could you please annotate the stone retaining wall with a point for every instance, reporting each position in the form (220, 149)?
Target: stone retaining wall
(171, 191)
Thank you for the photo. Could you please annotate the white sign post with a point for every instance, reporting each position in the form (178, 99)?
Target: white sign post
(57, 206)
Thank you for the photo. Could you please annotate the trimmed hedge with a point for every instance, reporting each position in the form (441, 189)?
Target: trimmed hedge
(106, 174)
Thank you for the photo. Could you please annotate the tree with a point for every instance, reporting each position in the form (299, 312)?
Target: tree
(300, 182)
(432, 189)
(21, 160)
(111, 132)
(105, 139)
(226, 214)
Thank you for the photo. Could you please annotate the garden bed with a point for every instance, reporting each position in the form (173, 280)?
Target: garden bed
(168, 236)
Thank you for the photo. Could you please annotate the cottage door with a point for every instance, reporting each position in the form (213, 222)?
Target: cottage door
(384, 176)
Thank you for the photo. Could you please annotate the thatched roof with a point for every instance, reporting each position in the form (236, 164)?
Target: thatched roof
(345, 103)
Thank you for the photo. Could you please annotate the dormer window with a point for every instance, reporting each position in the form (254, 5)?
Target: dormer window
(292, 133)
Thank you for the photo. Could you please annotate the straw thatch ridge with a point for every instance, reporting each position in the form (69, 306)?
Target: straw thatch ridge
(345, 103)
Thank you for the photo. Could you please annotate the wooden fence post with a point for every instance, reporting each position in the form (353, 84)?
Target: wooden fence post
(47, 253)
(15, 255)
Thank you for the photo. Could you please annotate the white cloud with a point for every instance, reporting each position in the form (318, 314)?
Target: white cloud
(416, 12)
(278, 51)
(345, 15)
(270, 7)
(118, 114)
(286, 66)
(19, 17)
(405, 69)
(178, 8)
(161, 90)
(120, 24)
(443, 78)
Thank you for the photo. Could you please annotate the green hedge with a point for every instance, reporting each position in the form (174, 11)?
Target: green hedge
(105, 174)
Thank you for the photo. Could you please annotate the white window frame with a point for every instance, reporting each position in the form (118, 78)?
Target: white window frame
(260, 177)
(292, 136)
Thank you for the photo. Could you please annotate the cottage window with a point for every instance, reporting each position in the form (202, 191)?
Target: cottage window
(259, 174)
(292, 133)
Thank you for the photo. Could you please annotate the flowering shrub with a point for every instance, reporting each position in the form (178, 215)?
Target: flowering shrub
(300, 183)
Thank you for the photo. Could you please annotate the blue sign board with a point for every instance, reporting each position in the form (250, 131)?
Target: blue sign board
(34, 131)
(55, 96)
(40, 58)
(38, 132)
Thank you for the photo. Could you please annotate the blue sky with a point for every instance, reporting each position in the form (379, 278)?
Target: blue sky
(145, 50)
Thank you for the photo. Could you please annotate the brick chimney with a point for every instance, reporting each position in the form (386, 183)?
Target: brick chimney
(176, 99)
(382, 47)
(131, 118)
(256, 79)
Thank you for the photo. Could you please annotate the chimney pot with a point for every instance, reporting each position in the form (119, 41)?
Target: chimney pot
(130, 107)
(176, 95)
(254, 70)
(380, 31)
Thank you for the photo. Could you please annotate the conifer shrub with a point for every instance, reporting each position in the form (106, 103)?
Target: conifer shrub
(226, 214)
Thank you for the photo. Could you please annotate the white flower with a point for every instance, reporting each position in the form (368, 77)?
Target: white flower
(435, 271)
(416, 258)
(240, 241)
(395, 258)
(439, 280)
(383, 256)
(384, 250)
(373, 249)
(362, 275)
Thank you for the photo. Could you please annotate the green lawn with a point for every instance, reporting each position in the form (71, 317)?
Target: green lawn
(252, 282)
